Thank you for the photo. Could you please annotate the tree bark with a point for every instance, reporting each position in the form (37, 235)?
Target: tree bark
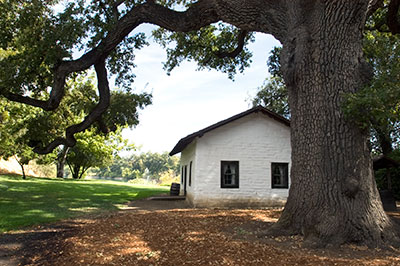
(61, 159)
(333, 197)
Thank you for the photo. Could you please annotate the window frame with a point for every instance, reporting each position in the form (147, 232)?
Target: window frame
(236, 165)
(285, 178)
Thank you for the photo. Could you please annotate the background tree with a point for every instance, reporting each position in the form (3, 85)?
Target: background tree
(273, 94)
(93, 150)
(135, 166)
(13, 141)
(377, 106)
(321, 61)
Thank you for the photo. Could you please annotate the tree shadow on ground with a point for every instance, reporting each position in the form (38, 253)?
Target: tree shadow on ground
(37, 201)
(21, 247)
(180, 236)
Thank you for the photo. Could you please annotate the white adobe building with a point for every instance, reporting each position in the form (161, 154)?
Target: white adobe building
(242, 161)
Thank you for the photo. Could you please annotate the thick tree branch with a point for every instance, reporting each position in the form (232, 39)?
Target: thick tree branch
(392, 17)
(268, 16)
(95, 114)
(232, 54)
(56, 94)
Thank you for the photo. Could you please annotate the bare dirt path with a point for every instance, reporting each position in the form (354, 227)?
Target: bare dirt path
(170, 233)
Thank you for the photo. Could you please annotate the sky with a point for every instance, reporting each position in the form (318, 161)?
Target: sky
(190, 100)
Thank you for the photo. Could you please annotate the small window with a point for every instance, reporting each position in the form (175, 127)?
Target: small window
(279, 175)
(190, 174)
(229, 174)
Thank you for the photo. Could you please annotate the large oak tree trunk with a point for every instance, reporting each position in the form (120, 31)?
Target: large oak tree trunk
(333, 196)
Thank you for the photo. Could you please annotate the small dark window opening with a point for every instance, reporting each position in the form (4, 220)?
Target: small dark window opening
(280, 175)
(190, 174)
(229, 174)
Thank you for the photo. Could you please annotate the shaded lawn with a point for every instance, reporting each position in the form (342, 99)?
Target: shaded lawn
(41, 200)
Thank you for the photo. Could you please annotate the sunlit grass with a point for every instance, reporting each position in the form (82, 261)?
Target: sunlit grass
(42, 200)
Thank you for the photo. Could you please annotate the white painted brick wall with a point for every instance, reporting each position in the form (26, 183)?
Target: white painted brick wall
(188, 155)
(255, 141)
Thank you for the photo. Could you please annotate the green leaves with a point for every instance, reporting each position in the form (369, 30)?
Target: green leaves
(123, 110)
(35, 40)
(273, 95)
(377, 106)
(94, 150)
(379, 103)
(31, 47)
(121, 61)
(13, 140)
(202, 46)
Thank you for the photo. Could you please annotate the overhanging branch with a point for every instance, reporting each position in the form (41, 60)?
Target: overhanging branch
(95, 114)
(232, 54)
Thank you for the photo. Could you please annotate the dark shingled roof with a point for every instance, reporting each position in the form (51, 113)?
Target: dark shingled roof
(181, 145)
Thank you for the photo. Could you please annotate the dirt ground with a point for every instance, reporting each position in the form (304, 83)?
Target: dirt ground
(169, 233)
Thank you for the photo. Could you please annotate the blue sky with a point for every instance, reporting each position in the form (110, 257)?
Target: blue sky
(189, 100)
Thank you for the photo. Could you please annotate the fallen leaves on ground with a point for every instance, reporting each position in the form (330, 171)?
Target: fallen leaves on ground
(191, 237)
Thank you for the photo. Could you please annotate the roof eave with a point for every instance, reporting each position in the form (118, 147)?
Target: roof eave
(184, 142)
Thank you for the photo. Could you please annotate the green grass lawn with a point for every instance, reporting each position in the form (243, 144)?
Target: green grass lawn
(42, 200)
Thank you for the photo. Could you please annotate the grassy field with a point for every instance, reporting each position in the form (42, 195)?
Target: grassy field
(41, 200)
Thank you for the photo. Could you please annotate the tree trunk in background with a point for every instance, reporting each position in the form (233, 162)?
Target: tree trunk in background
(333, 196)
(61, 159)
(385, 141)
(22, 166)
(23, 171)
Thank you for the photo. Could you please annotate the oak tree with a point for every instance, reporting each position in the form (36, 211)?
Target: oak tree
(333, 197)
